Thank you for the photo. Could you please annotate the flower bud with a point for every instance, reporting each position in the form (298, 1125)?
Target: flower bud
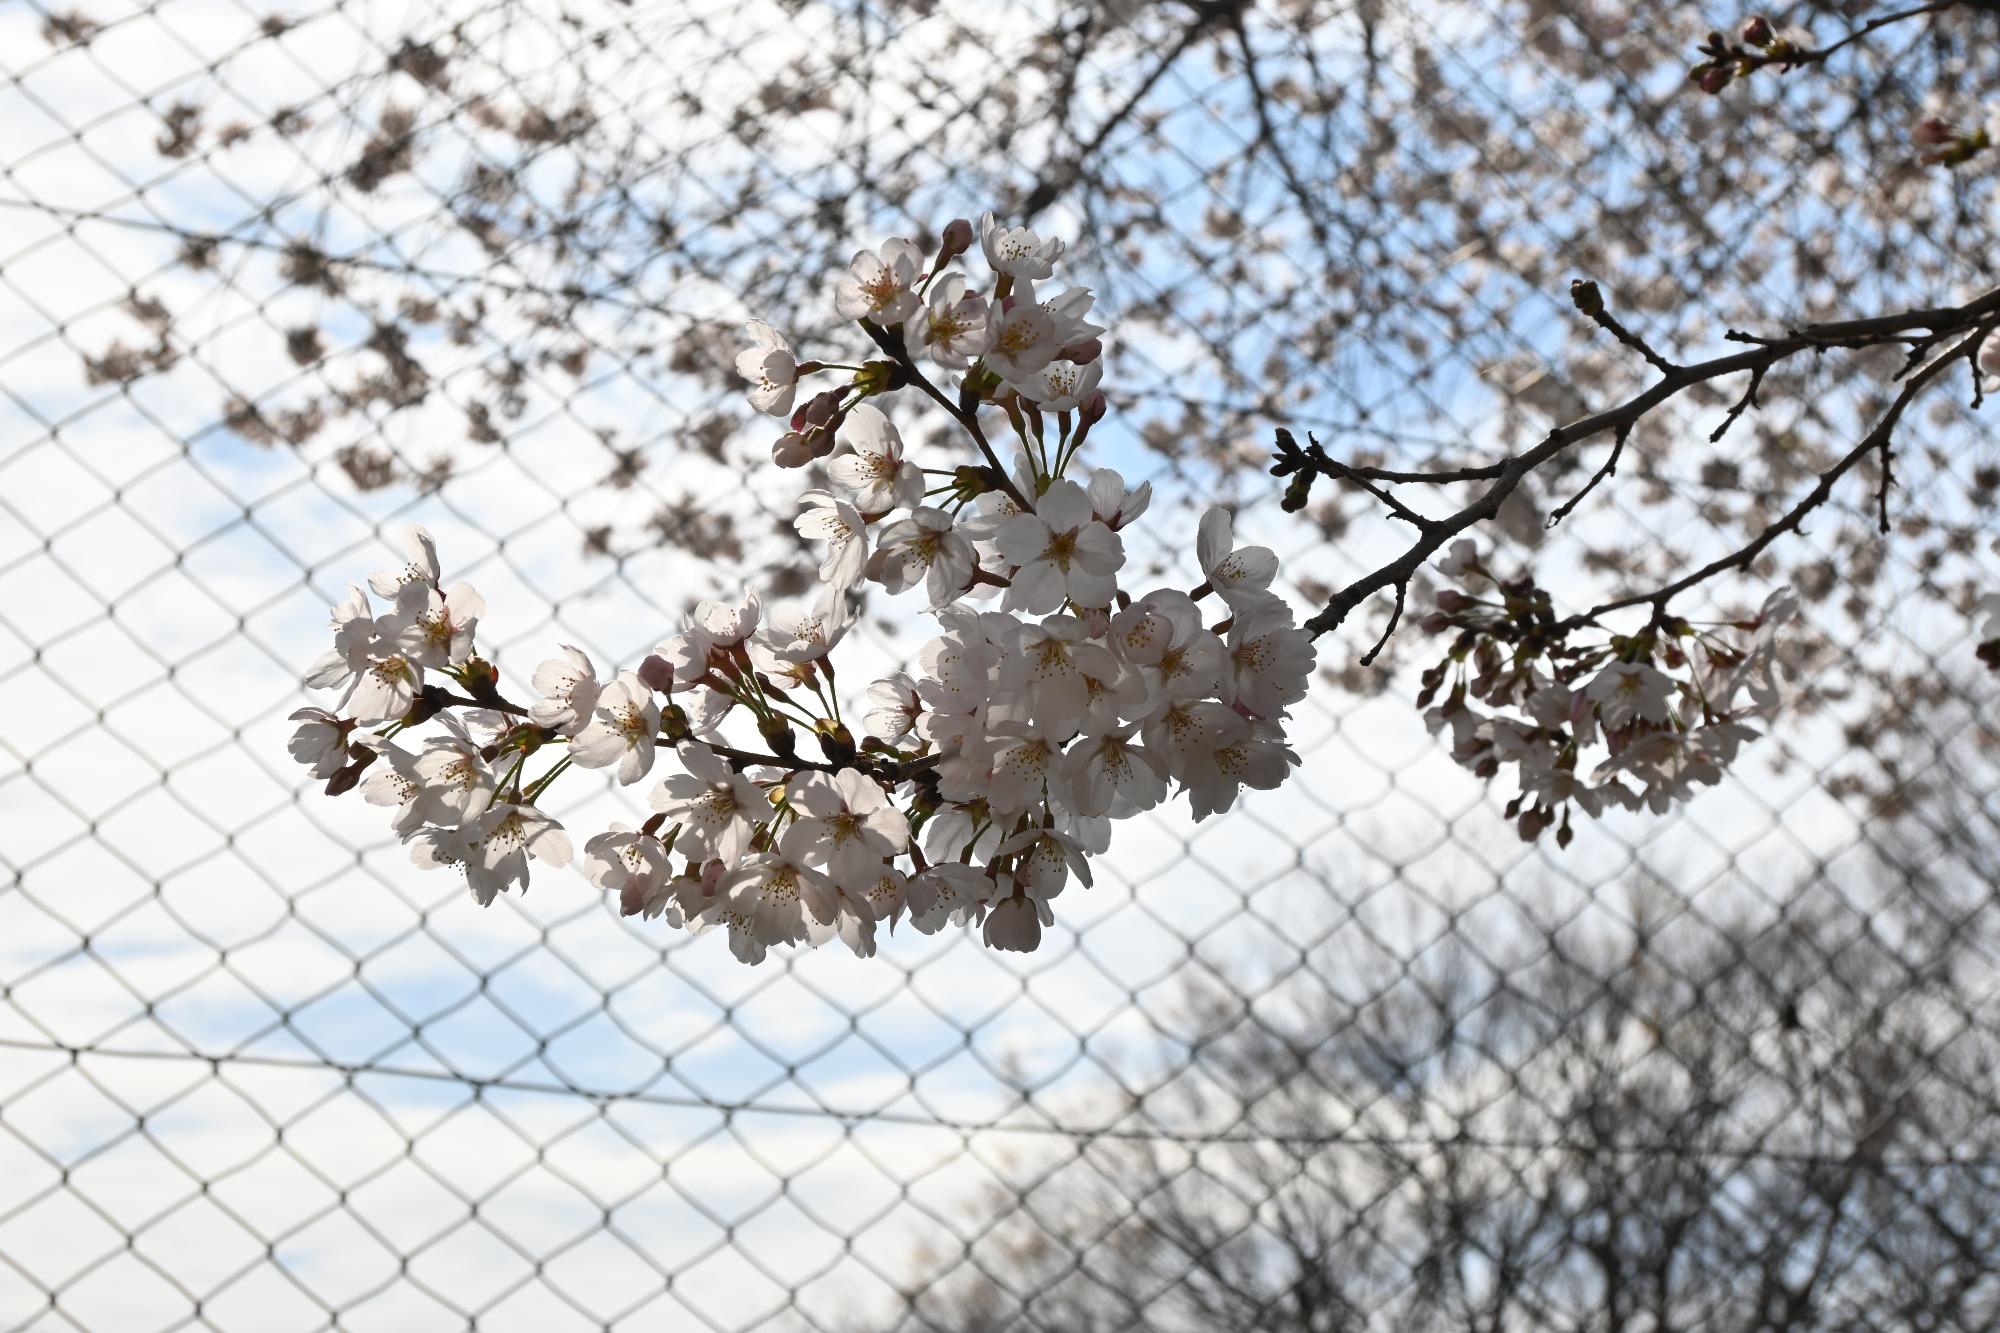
(817, 411)
(957, 239)
(674, 724)
(836, 742)
(350, 777)
(778, 734)
(657, 673)
(1714, 78)
(1093, 408)
(875, 376)
(1082, 352)
(791, 450)
(1932, 131)
(970, 479)
(1758, 32)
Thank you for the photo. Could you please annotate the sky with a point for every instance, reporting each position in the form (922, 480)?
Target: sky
(257, 1071)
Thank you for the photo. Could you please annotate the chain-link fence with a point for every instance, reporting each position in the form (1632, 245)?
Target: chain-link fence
(1351, 1056)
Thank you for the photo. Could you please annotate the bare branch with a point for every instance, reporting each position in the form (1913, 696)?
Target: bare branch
(1976, 317)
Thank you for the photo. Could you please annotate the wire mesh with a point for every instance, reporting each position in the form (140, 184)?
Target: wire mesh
(1352, 1056)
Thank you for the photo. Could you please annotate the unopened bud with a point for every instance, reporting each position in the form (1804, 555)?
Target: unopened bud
(1092, 409)
(1451, 601)
(957, 239)
(970, 480)
(1082, 353)
(1714, 78)
(1932, 131)
(817, 411)
(674, 724)
(791, 450)
(778, 735)
(1758, 32)
(1297, 493)
(657, 673)
(836, 742)
(350, 776)
(875, 376)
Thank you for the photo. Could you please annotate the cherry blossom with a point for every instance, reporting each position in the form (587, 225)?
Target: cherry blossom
(435, 630)
(894, 714)
(622, 730)
(878, 285)
(1270, 661)
(420, 564)
(1015, 923)
(830, 519)
(1115, 504)
(353, 636)
(1111, 775)
(765, 900)
(716, 807)
(1020, 341)
(926, 546)
(804, 633)
(568, 686)
(1241, 576)
(320, 743)
(386, 688)
(1018, 251)
(1012, 745)
(848, 826)
(951, 325)
(1060, 386)
(1624, 691)
(875, 474)
(1063, 552)
(771, 369)
(635, 866)
(1234, 755)
(495, 847)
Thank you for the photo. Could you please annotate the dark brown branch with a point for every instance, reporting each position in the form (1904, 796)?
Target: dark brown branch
(1568, 506)
(1877, 439)
(1590, 301)
(445, 698)
(1507, 475)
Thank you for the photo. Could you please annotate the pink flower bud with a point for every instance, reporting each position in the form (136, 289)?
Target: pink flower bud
(1758, 32)
(792, 450)
(657, 673)
(1082, 352)
(1093, 408)
(817, 410)
(1715, 78)
(956, 241)
(1932, 131)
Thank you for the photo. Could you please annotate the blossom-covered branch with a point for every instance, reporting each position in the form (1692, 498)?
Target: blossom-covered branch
(1052, 703)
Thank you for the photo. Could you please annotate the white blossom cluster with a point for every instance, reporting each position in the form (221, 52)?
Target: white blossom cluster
(1636, 722)
(1052, 703)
